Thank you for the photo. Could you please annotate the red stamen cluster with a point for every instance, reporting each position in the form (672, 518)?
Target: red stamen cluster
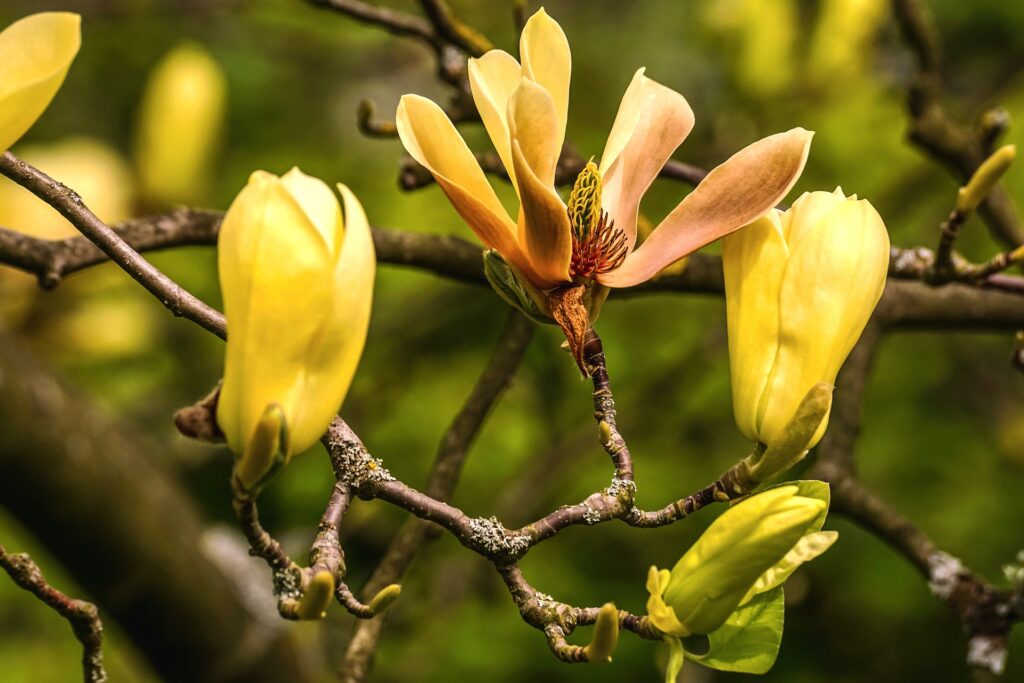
(599, 250)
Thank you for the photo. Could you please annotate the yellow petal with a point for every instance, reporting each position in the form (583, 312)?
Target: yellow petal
(35, 55)
(714, 575)
(544, 50)
(652, 121)
(333, 357)
(319, 204)
(431, 139)
(493, 78)
(833, 280)
(543, 223)
(746, 186)
(753, 260)
(275, 274)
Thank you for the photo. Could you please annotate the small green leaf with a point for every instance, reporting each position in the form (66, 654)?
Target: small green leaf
(749, 640)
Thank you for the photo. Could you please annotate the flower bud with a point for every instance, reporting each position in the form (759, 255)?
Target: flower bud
(317, 597)
(180, 121)
(606, 635)
(715, 575)
(984, 179)
(297, 281)
(800, 287)
(35, 55)
(385, 597)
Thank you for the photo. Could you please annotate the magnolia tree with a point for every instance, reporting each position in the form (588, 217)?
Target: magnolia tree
(297, 258)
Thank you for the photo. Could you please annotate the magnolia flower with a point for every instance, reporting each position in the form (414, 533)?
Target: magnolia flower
(524, 108)
(800, 286)
(297, 280)
(737, 565)
(726, 565)
(35, 55)
(180, 120)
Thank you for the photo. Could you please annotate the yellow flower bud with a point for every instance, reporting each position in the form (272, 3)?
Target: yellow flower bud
(317, 596)
(180, 121)
(984, 179)
(385, 597)
(35, 55)
(606, 635)
(716, 574)
(297, 281)
(800, 286)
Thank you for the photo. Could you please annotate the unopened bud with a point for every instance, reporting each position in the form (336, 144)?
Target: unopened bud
(984, 179)
(606, 635)
(387, 595)
(318, 594)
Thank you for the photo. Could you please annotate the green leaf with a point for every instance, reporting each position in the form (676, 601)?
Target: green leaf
(749, 640)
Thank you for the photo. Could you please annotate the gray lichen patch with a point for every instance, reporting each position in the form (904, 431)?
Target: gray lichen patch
(356, 467)
(288, 583)
(492, 538)
(943, 574)
(619, 486)
(987, 652)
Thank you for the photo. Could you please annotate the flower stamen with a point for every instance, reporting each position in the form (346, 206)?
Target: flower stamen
(597, 246)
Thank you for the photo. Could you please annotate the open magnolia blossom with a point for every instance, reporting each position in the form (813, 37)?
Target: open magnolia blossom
(524, 107)
(35, 55)
(800, 286)
(297, 279)
(749, 551)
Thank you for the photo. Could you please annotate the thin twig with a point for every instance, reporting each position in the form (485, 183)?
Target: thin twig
(441, 482)
(70, 205)
(83, 616)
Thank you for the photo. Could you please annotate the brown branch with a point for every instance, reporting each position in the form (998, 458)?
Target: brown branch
(960, 148)
(394, 22)
(180, 597)
(70, 205)
(83, 616)
(986, 614)
(443, 478)
(557, 620)
(453, 29)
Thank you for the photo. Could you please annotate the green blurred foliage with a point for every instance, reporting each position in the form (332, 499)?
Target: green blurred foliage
(942, 436)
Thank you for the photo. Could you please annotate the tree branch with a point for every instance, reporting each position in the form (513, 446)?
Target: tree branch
(83, 616)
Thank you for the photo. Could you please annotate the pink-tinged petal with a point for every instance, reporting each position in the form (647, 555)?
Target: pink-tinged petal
(747, 185)
(431, 139)
(544, 51)
(493, 78)
(652, 122)
(543, 222)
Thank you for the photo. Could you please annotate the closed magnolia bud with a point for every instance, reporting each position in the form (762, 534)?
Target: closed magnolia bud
(297, 282)
(180, 122)
(800, 286)
(35, 55)
(717, 573)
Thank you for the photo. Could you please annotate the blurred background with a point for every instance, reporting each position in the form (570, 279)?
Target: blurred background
(943, 434)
